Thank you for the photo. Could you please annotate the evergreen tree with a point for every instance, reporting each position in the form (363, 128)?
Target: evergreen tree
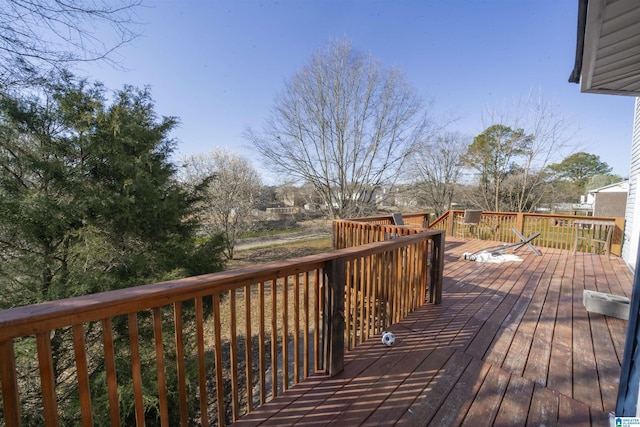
(578, 168)
(89, 202)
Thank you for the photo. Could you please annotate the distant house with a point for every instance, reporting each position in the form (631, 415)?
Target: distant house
(610, 200)
(400, 196)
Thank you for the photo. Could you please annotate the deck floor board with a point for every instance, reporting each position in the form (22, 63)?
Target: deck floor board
(511, 344)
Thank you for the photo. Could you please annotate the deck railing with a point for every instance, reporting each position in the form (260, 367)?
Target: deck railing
(420, 220)
(353, 233)
(209, 349)
(556, 231)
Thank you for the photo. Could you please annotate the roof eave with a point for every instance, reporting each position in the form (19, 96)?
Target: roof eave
(582, 20)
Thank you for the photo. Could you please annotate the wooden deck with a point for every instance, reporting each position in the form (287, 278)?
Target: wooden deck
(511, 344)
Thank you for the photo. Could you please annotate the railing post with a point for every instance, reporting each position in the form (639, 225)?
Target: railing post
(333, 330)
(437, 268)
(450, 221)
(9, 380)
(520, 222)
(426, 220)
(616, 239)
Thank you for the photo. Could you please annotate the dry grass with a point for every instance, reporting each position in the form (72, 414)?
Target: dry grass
(261, 256)
(248, 257)
(279, 252)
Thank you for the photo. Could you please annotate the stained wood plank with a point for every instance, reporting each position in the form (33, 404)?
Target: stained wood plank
(288, 407)
(514, 408)
(296, 329)
(381, 377)
(585, 373)
(466, 311)
(606, 281)
(421, 381)
(561, 359)
(262, 364)
(502, 303)
(233, 355)
(538, 362)
(454, 408)
(297, 401)
(217, 338)
(499, 348)
(427, 404)
(604, 359)
(248, 347)
(110, 370)
(485, 406)
(623, 275)
(572, 412)
(617, 327)
(599, 418)
(518, 355)
(543, 409)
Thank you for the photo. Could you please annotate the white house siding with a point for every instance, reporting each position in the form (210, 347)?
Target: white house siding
(632, 216)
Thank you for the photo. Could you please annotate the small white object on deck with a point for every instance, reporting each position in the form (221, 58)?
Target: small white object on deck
(491, 257)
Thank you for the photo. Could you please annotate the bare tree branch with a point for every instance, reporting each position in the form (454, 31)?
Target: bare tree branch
(437, 169)
(37, 36)
(520, 167)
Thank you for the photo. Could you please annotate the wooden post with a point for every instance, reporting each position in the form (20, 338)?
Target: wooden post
(9, 380)
(426, 220)
(334, 344)
(616, 239)
(437, 268)
(520, 222)
(47, 379)
(450, 220)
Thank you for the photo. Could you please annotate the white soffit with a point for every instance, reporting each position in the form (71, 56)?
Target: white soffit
(611, 59)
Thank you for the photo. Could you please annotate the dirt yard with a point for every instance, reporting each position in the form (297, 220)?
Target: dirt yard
(279, 251)
(315, 237)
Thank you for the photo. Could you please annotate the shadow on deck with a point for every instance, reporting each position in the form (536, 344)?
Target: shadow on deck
(511, 344)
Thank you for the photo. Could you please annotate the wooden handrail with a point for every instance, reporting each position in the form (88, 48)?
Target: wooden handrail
(308, 309)
(414, 219)
(440, 220)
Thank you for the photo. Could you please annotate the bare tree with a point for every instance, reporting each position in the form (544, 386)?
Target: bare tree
(526, 137)
(437, 169)
(39, 35)
(344, 125)
(230, 188)
(551, 133)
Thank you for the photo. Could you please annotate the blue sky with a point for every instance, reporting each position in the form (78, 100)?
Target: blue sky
(218, 65)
